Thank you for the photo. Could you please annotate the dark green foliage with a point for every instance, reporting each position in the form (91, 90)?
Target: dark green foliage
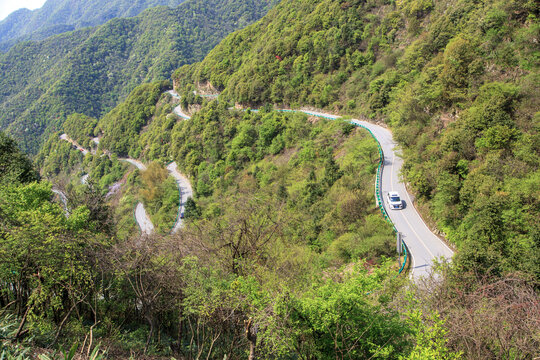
(80, 128)
(15, 167)
(121, 126)
(56, 17)
(192, 210)
(88, 71)
(58, 156)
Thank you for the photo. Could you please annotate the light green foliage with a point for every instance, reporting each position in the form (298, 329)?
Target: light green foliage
(328, 191)
(44, 255)
(120, 127)
(339, 315)
(159, 193)
(415, 8)
(80, 128)
(431, 343)
(155, 141)
(439, 74)
(58, 157)
(301, 52)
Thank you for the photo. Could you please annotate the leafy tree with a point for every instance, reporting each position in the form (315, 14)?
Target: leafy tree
(192, 210)
(15, 167)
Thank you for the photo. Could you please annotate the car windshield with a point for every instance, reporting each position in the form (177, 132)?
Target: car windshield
(394, 198)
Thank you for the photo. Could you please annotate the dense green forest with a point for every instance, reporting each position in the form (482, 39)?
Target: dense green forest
(121, 127)
(59, 16)
(89, 71)
(457, 82)
(284, 253)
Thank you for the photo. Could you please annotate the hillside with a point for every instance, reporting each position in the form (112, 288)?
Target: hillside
(457, 82)
(284, 253)
(59, 16)
(89, 70)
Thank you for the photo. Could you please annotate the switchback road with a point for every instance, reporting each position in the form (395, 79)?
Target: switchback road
(423, 244)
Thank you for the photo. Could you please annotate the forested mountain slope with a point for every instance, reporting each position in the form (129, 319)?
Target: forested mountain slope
(58, 16)
(457, 81)
(89, 70)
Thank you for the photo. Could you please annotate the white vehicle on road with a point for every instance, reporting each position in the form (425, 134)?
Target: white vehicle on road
(394, 201)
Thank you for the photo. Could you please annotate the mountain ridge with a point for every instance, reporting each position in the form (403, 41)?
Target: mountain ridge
(58, 16)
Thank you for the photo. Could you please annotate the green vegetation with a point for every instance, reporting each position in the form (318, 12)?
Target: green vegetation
(120, 127)
(106, 177)
(319, 174)
(90, 70)
(159, 193)
(80, 128)
(457, 82)
(14, 166)
(273, 212)
(284, 254)
(48, 260)
(56, 17)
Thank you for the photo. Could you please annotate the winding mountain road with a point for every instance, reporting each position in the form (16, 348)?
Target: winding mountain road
(178, 110)
(424, 246)
(184, 187)
(139, 165)
(74, 143)
(141, 216)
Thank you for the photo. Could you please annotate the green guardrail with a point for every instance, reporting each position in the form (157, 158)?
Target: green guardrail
(378, 193)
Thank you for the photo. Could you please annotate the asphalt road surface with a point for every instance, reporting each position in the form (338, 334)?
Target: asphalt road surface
(184, 186)
(143, 220)
(178, 110)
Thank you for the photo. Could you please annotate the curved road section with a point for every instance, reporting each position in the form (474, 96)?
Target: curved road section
(141, 216)
(178, 110)
(143, 220)
(184, 187)
(423, 244)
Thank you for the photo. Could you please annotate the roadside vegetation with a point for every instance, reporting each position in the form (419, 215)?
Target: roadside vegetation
(160, 196)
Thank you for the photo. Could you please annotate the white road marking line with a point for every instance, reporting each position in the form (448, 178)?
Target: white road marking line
(418, 236)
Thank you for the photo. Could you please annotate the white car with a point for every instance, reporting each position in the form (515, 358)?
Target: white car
(394, 201)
